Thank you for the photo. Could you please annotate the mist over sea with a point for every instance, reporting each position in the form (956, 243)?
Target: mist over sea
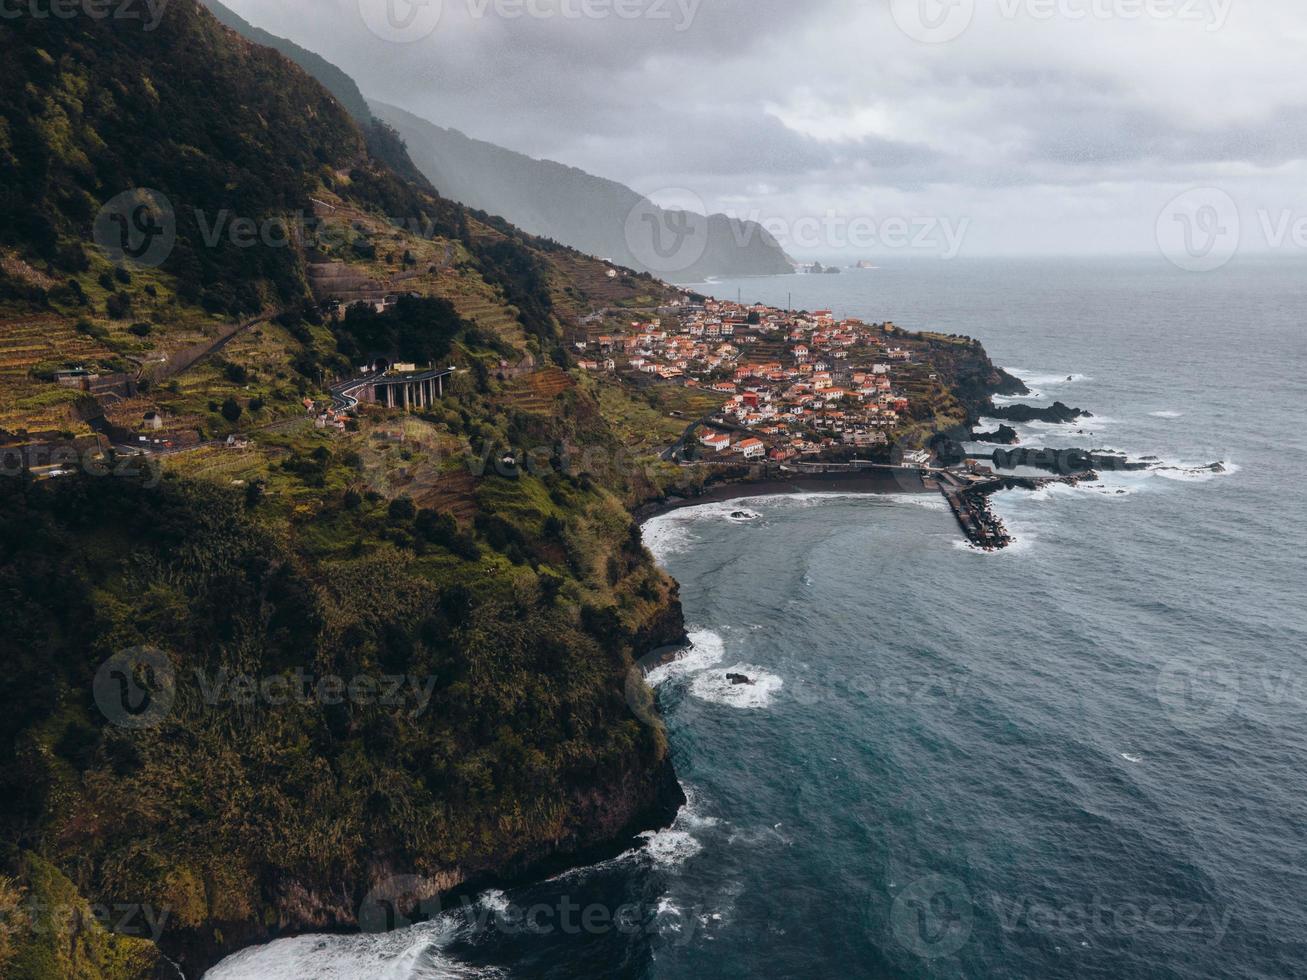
(1081, 757)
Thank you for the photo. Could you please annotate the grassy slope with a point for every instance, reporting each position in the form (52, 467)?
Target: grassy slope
(527, 614)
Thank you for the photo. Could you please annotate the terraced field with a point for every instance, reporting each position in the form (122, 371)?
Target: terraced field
(591, 280)
(537, 393)
(222, 465)
(28, 341)
(479, 302)
(454, 493)
(25, 342)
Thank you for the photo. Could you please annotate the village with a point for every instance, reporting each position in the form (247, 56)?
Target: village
(795, 384)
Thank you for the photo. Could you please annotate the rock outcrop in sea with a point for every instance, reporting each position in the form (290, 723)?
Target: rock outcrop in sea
(1058, 413)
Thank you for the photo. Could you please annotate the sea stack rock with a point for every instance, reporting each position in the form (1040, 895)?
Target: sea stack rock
(1058, 412)
(1004, 435)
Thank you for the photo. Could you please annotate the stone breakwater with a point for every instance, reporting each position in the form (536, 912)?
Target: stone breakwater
(970, 504)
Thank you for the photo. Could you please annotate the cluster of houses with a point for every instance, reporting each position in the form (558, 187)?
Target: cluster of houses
(795, 383)
(325, 415)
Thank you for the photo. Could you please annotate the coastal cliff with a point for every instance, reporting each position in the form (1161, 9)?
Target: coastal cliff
(252, 680)
(293, 656)
(249, 811)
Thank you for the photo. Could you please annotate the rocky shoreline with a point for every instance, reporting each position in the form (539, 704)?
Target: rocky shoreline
(614, 818)
(1068, 461)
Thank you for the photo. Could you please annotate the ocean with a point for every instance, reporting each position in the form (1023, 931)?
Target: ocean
(1079, 757)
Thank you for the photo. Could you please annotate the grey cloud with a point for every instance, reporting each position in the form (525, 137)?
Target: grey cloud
(640, 103)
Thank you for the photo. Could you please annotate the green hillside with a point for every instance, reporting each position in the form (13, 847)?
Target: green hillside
(518, 600)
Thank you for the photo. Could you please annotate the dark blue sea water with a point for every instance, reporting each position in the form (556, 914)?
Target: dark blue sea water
(1082, 757)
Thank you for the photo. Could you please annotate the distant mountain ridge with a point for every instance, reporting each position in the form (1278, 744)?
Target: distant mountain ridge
(541, 197)
(331, 78)
(571, 206)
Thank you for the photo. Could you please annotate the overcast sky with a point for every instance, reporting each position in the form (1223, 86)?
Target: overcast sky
(1032, 126)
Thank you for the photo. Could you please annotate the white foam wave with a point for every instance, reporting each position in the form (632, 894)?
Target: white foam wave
(409, 954)
(1167, 415)
(671, 533)
(1104, 488)
(706, 649)
(1046, 379)
(666, 535)
(494, 900)
(1192, 472)
(1136, 760)
(677, 844)
(1087, 423)
(667, 847)
(1022, 542)
(713, 686)
(670, 847)
(668, 915)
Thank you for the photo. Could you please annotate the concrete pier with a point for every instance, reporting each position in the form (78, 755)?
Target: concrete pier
(970, 505)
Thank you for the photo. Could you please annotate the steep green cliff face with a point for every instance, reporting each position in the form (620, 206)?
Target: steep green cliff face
(221, 127)
(247, 694)
(383, 142)
(332, 78)
(340, 698)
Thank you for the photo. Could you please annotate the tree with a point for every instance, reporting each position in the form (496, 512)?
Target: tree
(118, 306)
(231, 409)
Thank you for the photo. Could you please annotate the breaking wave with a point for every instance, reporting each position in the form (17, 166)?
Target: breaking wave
(713, 686)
